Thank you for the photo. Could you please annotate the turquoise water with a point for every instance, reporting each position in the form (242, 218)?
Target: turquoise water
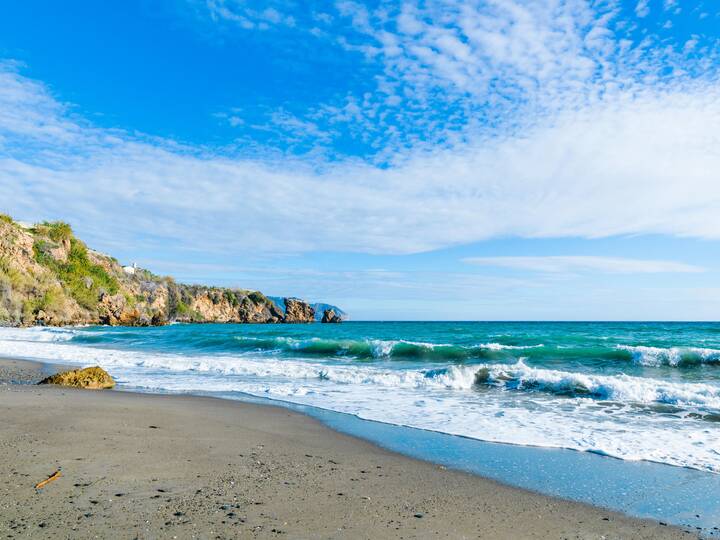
(635, 391)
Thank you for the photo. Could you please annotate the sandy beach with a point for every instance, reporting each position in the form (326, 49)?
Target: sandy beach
(152, 466)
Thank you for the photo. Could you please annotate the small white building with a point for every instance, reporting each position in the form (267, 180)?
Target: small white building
(130, 269)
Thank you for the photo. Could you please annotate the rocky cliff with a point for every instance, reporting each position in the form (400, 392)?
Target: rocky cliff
(329, 316)
(47, 276)
(318, 307)
(297, 311)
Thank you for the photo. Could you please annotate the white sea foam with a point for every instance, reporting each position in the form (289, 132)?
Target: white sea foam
(670, 356)
(375, 348)
(37, 333)
(501, 347)
(384, 348)
(621, 388)
(479, 401)
(518, 376)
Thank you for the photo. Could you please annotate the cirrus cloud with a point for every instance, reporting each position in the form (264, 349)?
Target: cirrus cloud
(585, 263)
(532, 120)
(645, 164)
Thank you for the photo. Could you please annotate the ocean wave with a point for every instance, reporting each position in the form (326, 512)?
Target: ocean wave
(511, 377)
(670, 356)
(510, 402)
(315, 346)
(619, 388)
(375, 348)
(39, 333)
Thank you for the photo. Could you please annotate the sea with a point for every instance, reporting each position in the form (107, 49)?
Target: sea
(636, 391)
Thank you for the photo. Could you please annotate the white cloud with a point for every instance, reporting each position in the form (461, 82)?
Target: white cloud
(529, 119)
(584, 263)
(642, 9)
(249, 17)
(457, 70)
(645, 164)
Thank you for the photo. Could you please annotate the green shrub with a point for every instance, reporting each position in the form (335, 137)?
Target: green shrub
(59, 231)
(74, 273)
(49, 301)
(6, 219)
(182, 309)
(41, 249)
(14, 276)
(257, 297)
(32, 306)
(231, 297)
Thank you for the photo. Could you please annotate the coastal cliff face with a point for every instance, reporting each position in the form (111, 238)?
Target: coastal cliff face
(49, 277)
(297, 311)
(318, 307)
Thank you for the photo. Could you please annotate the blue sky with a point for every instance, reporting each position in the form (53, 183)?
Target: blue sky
(404, 160)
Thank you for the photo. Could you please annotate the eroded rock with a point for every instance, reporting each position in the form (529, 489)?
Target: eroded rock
(329, 316)
(297, 311)
(92, 378)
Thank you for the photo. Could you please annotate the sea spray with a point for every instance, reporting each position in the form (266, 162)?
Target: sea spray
(671, 356)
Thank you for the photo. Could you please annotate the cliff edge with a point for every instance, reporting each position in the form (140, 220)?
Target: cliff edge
(49, 277)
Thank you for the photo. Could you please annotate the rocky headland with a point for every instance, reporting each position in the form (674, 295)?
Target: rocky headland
(50, 277)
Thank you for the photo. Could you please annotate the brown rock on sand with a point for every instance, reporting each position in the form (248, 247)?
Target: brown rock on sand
(92, 378)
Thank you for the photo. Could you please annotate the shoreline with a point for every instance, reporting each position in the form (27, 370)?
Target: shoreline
(19, 371)
(158, 465)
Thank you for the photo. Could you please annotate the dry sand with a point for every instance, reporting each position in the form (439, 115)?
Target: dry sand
(149, 466)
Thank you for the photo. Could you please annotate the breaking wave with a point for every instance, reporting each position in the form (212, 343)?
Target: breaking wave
(362, 349)
(671, 356)
(383, 349)
(517, 376)
(618, 388)
(376, 348)
(546, 393)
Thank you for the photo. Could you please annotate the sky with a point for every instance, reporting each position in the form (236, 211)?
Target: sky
(404, 160)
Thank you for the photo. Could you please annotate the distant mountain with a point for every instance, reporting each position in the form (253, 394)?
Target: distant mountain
(319, 308)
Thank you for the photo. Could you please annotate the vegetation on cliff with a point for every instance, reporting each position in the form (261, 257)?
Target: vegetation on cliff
(48, 276)
(84, 281)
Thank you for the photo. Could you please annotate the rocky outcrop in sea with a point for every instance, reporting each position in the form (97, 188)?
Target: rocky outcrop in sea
(329, 316)
(297, 311)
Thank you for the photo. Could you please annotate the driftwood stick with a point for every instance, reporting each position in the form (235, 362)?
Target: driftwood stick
(54, 476)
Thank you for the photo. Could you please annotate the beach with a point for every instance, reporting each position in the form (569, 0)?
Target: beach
(160, 466)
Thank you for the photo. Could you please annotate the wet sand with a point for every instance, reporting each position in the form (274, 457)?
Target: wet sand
(151, 466)
(26, 372)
